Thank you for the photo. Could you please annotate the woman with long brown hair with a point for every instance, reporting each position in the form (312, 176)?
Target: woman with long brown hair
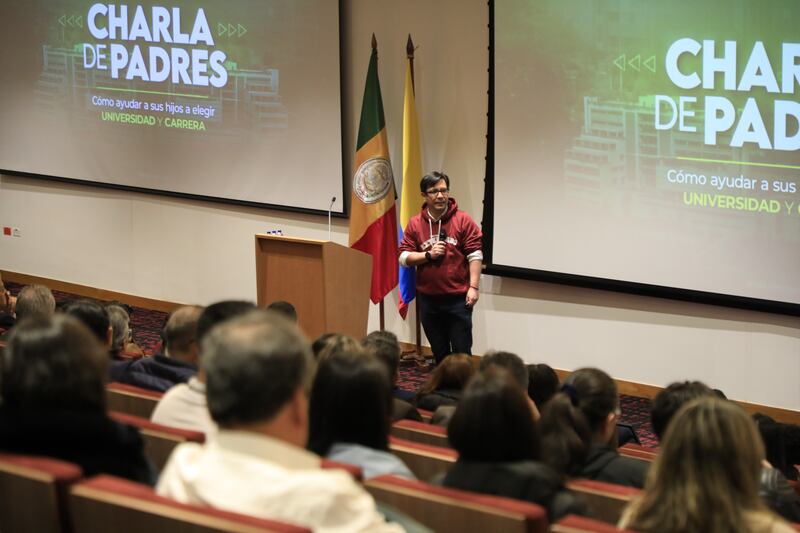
(446, 382)
(706, 476)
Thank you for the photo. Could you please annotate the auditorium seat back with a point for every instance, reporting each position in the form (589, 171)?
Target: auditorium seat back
(421, 432)
(33, 493)
(426, 415)
(606, 500)
(131, 400)
(449, 510)
(106, 503)
(635, 451)
(425, 461)
(159, 440)
(355, 471)
(581, 524)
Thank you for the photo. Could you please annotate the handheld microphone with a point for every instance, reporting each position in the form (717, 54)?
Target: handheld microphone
(442, 238)
(330, 208)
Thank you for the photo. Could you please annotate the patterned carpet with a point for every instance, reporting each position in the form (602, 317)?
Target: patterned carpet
(147, 325)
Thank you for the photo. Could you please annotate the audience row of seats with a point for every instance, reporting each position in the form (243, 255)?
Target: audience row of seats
(426, 460)
(47, 495)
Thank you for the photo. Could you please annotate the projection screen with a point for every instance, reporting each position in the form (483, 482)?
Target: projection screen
(651, 142)
(236, 100)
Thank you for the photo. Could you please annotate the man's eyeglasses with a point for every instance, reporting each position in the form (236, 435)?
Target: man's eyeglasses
(436, 192)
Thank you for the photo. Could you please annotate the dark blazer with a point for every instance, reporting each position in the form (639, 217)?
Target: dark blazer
(92, 440)
(603, 463)
(524, 480)
(158, 373)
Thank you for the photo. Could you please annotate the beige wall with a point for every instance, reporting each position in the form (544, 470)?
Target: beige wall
(191, 251)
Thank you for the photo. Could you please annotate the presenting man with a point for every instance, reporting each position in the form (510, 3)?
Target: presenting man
(445, 246)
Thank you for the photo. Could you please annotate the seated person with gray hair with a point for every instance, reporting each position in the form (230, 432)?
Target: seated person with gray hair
(258, 371)
(54, 400)
(35, 301)
(122, 345)
(32, 301)
(177, 364)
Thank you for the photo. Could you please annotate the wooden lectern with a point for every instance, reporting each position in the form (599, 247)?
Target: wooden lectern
(328, 283)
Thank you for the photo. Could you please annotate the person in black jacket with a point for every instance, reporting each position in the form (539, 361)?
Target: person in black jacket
(53, 390)
(177, 363)
(497, 439)
(579, 431)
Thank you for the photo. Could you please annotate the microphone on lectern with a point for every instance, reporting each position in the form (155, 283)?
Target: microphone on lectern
(330, 208)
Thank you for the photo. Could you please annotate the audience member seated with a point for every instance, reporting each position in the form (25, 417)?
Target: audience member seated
(579, 431)
(177, 364)
(774, 489)
(53, 390)
(384, 346)
(706, 476)
(515, 366)
(285, 309)
(32, 301)
(446, 382)
(35, 301)
(543, 384)
(498, 443)
(321, 342)
(184, 405)
(122, 345)
(258, 368)
(7, 303)
(350, 414)
(338, 343)
(93, 315)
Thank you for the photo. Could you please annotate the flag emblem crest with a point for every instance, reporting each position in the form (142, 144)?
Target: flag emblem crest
(372, 180)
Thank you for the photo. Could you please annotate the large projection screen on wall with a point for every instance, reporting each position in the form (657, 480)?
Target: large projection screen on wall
(236, 100)
(650, 142)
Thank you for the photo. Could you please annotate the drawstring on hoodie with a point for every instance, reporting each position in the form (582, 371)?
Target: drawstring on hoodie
(430, 227)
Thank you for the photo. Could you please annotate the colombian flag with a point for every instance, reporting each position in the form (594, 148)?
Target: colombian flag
(373, 217)
(412, 174)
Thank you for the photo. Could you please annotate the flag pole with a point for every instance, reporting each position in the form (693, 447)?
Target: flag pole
(417, 328)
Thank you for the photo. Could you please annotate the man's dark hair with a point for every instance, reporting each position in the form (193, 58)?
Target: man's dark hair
(542, 384)
(429, 180)
(53, 363)
(220, 312)
(351, 401)
(180, 331)
(282, 307)
(254, 365)
(670, 400)
(385, 347)
(93, 315)
(493, 421)
(35, 301)
(509, 361)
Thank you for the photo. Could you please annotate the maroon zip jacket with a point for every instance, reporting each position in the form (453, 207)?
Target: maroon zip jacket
(450, 275)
